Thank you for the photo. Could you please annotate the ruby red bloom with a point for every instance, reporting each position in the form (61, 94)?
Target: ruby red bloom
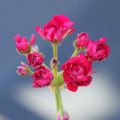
(42, 77)
(56, 29)
(98, 50)
(82, 40)
(23, 69)
(35, 59)
(22, 44)
(77, 72)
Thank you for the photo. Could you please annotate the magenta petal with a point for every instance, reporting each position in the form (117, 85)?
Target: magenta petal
(17, 38)
(72, 87)
(61, 18)
(40, 32)
(103, 39)
(32, 39)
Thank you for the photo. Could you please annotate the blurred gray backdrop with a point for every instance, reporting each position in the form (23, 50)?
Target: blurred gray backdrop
(97, 17)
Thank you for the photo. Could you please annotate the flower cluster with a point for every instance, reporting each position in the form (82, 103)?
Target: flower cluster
(42, 75)
(75, 72)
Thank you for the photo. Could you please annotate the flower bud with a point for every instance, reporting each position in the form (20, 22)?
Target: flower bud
(98, 50)
(53, 63)
(35, 59)
(22, 44)
(42, 77)
(82, 40)
(23, 69)
(65, 116)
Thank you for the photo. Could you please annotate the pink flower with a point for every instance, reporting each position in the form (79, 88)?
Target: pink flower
(42, 77)
(22, 44)
(23, 69)
(56, 29)
(35, 59)
(98, 50)
(77, 72)
(82, 40)
(65, 117)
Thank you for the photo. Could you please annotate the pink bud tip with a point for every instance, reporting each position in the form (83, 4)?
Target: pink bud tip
(37, 28)
(17, 37)
(32, 39)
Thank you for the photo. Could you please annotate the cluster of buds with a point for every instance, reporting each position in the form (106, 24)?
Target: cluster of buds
(42, 75)
(75, 72)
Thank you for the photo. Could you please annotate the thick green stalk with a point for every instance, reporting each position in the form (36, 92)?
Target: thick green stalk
(57, 100)
(55, 56)
(55, 73)
(60, 102)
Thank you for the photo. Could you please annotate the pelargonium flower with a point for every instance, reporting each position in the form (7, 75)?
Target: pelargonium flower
(82, 40)
(22, 44)
(42, 77)
(98, 50)
(56, 29)
(35, 59)
(23, 69)
(77, 72)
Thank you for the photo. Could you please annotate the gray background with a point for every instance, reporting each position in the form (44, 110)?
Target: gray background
(97, 17)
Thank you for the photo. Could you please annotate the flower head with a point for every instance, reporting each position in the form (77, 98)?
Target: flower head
(82, 40)
(23, 69)
(56, 29)
(22, 44)
(35, 59)
(98, 50)
(42, 77)
(77, 72)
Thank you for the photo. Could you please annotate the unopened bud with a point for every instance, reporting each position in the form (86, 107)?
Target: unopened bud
(53, 63)
(23, 69)
(65, 116)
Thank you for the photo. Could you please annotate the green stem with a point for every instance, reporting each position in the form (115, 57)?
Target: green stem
(55, 56)
(57, 100)
(60, 103)
(76, 51)
(55, 50)
(30, 71)
(55, 73)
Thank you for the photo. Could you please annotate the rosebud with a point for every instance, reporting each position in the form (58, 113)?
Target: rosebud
(35, 59)
(22, 44)
(42, 77)
(23, 69)
(82, 40)
(65, 116)
(98, 50)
